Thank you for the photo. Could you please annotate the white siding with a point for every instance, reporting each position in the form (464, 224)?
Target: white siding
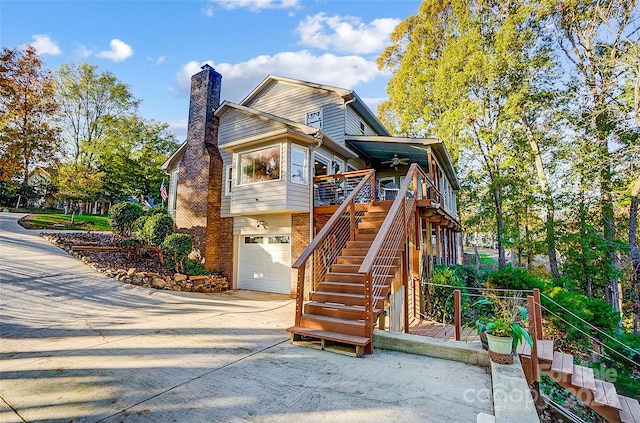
(353, 124)
(236, 124)
(294, 101)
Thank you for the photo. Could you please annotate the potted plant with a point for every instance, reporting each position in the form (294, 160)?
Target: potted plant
(504, 327)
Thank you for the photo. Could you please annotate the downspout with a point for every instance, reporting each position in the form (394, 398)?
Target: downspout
(318, 136)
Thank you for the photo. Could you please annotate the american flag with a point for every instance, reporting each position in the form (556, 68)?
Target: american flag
(163, 191)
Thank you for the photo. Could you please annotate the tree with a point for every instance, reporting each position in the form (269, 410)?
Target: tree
(596, 37)
(458, 71)
(27, 104)
(134, 150)
(89, 101)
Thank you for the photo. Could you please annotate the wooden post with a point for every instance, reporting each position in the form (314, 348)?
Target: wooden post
(457, 314)
(535, 366)
(368, 311)
(352, 219)
(300, 294)
(538, 312)
(405, 285)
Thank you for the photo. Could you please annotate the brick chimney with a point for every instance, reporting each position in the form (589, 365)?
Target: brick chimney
(201, 159)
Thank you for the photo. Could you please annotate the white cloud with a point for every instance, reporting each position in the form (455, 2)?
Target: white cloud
(83, 51)
(373, 103)
(119, 50)
(208, 11)
(345, 34)
(44, 45)
(238, 79)
(179, 128)
(257, 5)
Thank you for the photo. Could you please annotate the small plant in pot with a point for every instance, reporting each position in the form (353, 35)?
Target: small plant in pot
(504, 327)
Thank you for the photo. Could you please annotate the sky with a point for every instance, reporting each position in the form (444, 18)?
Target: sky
(154, 46)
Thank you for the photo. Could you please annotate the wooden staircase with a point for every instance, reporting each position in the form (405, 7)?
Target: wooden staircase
(334, 318)
(599, 395)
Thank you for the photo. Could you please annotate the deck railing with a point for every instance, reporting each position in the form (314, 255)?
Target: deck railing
(383, 253)
(358, 189)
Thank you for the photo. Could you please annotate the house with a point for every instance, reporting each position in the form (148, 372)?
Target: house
(265, 187)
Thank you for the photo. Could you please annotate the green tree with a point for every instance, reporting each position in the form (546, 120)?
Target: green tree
(89, 101)
(27, 104)
(134, 150)
(596, 38)
(458, 71)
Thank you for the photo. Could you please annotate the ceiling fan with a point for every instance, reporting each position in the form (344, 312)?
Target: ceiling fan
(396, 161)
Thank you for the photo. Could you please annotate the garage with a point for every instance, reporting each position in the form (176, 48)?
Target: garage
(265, 263)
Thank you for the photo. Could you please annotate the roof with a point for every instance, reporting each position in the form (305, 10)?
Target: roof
(289, 128)
(381, 149)
(348, 96)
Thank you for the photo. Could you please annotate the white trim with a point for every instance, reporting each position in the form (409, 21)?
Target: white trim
(228, 179)
(305, 165)
(239, 161)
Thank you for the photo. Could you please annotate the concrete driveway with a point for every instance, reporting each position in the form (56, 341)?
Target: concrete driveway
(78, 346)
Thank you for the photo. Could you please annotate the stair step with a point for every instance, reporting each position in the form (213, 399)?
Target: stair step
(371, 223)
(583, 377)
(345, 268)
(366, 236)
(333, 324)
(545, 349)
(342, 287)
(344, 277)
(606, 395)
(343, 298)
(357, 252)
(366, 230)
(337, 310)
(359, 342)
(630, 412)
(345, 259)
(562, 363)
(358, 244)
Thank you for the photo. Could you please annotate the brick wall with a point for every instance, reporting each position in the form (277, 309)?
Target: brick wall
(299, 241)
(191, 203)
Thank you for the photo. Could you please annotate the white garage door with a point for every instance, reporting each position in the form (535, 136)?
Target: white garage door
(265, 263)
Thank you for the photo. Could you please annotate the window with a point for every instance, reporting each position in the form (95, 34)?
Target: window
(253, 239)
(228, 183)
(314, 119)
(361, 128)
(299, 167)
(260, 165)
(321, 165)
(338, 165)
(173, 191)
(282, 239)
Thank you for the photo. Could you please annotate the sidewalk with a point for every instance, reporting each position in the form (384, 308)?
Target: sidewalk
(78, 346)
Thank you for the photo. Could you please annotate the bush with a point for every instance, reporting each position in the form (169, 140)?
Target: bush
(138, 226)
(157, 228)
(122, 217)
(516, 279)
(195, 268)
(177, 247)
(130, 246)
(157, 210)
(441, 304)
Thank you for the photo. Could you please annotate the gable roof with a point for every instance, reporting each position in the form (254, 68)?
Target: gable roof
(347, 95)
(288, 127)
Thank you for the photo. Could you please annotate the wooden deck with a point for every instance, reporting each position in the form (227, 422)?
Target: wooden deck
(440, 330)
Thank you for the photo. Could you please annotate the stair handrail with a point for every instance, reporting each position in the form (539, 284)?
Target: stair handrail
(625, 346)
(399, 214)
(367, 180)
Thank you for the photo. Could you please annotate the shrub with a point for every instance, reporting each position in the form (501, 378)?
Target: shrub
(177, 247)
(157, 210)
(122, 217)
(441, 304)
(138, 226)
(130, 246)
(157, 228)
(195, 268)
(516, 279)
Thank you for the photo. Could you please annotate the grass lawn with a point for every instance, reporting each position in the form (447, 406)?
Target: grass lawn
(86, 222)
(485, 259)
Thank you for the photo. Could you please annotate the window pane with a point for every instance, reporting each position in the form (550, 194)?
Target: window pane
(284, 239)
(298, 164)
(253, 239)
(261, 165)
